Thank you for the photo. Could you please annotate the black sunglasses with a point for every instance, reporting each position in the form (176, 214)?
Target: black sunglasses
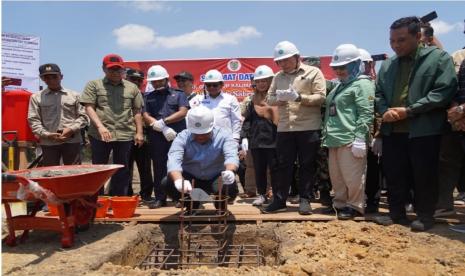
(212, 84)
(342, 67)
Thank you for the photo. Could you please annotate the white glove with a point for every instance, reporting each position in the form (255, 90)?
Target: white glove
(228, 177)
(282, 95)
(245, 144)
(377, 146)
(169, 133)
(158, 125)
(359, 148)
(287, 95)
(292, 93)
(187, 185)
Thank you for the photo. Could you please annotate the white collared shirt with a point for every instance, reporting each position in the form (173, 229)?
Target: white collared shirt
(226, 111)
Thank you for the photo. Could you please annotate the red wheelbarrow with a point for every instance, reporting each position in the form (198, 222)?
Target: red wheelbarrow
(73, 189)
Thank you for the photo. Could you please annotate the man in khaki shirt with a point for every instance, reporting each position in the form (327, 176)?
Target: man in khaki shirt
(298, 90)
(56, 117)
(114, 108)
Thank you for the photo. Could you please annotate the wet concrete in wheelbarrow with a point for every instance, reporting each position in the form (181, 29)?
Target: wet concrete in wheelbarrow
(55, 173)
(317, 248)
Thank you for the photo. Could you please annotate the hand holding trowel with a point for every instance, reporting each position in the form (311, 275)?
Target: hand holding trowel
(196, 194)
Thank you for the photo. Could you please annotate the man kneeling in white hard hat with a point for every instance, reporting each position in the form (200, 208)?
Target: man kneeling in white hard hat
(204, 153)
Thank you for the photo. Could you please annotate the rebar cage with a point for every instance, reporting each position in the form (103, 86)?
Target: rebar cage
(203, 239)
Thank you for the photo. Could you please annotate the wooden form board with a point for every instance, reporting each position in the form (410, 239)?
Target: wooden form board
(249, 213)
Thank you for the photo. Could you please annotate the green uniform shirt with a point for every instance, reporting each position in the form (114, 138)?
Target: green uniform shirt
(401, 89)
(114, 106)
(354, 112)
(432, 85)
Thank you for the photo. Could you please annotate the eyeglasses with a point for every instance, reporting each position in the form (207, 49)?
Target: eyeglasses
(212, 85)
(181, 80)
(340, 68)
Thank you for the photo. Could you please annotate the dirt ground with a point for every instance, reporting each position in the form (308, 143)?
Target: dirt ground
(316, 248)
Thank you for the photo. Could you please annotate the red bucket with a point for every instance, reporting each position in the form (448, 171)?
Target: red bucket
(52, 209)
(103, 203)
(124, 206)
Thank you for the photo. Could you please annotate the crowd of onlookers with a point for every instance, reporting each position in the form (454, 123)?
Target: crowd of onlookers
(299, 137)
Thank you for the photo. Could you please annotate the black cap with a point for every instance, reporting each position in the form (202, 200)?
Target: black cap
(184, 75)
(133, 73)
(48, 69)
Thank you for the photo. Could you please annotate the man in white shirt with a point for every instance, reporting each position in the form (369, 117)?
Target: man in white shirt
(225, 107)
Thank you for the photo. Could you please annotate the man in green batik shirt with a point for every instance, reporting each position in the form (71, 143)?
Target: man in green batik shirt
(413, 90)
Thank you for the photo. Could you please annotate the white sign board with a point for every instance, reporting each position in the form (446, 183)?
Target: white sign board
(20, 60)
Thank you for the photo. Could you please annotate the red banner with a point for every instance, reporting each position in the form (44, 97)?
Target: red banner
(236, 72)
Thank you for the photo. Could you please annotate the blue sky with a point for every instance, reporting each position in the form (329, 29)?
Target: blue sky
(76, 35)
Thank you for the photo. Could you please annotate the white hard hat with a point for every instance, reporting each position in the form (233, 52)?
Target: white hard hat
(263, 72)
(365, 56)
(284, 49)
(344, 54)
(200, 120)
(213, 76)
(157, 72)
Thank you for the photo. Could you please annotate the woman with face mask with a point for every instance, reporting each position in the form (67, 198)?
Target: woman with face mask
(348, 117)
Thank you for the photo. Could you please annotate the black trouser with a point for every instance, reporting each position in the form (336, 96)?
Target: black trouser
(303, 145)
(144, 166)
(209, 186)
(159, 148)
(373, 185)
(416, 160)
(241, 171)
(264, 159)
(461, 184)
(69, 152)
(294, 189)
(119, 183)
(451, 157)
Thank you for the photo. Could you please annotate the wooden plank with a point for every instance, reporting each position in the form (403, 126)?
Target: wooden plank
(248, 213)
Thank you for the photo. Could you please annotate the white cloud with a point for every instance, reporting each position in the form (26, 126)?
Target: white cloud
(442, 27)
(203, 39)
(148, 6)
(134, 36)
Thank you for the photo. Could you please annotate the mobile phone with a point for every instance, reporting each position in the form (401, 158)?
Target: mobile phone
(379, 57)
(430, 16)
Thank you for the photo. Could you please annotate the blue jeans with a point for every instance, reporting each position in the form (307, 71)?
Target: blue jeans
(209, 186)
(119, 183)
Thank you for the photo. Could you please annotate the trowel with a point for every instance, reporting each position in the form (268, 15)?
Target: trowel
(198, 194)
